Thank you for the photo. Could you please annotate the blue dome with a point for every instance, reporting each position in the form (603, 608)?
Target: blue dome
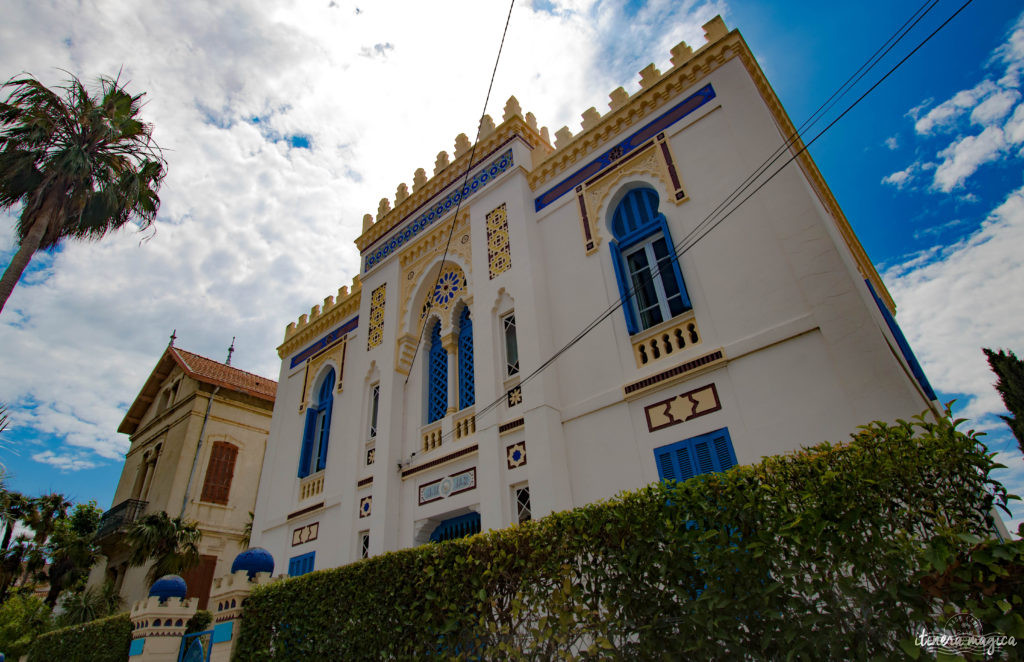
(168, 586)
(253, 560)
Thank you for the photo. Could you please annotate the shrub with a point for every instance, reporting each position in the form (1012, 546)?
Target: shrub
(22, 619)
(103, 640)
(816, 554)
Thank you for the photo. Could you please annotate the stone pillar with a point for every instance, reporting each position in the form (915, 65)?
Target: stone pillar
(227, 598)
(450, 343)
(157, 627)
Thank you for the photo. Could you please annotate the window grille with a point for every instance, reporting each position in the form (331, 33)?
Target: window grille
(467, 394)
(437, 377)
(511, 345)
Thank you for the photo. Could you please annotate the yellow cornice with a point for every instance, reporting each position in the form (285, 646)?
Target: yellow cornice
(510, 128)
(321, 320)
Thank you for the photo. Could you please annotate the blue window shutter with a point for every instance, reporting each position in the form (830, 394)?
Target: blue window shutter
(321, 461)
(437, 377)
(624, 288)
(467, 390)
(705, 453)
(666, 468)
(300, 565)
(685, 463)
(307, 442)
(676, 271)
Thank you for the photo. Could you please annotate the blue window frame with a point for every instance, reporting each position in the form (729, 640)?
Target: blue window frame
(317, 432)
(646, 268)
(300, 565)
(456, 527)
(697, 455)
(437, 377)
(467, 395)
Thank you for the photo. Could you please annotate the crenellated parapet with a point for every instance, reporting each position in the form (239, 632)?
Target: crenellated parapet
(229, 592)
(625, 109)
(447, 172)
(322, 317)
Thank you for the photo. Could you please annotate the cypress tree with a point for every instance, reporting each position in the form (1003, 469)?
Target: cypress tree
(1010, 385)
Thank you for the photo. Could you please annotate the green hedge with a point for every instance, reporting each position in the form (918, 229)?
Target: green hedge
(102, 640)
(817, 554)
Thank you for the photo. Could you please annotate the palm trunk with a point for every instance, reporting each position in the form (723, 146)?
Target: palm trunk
(20, 261)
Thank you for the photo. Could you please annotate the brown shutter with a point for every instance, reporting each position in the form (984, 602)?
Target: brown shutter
(199, 579)
(220, 472)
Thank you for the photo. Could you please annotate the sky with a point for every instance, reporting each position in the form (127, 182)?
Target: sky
(284, 122)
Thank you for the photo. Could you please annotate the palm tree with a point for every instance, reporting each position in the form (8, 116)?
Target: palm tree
(172, 544)
(79, 165)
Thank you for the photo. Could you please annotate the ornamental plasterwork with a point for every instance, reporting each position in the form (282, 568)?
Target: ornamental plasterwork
(336, 355)
(499, 256)
(375, 334)
(417, 257)
(647, 163)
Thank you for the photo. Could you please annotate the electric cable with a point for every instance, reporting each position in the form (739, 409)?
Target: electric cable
(462, 189)
(703, 228)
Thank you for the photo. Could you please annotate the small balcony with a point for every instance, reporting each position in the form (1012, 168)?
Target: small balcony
(120, 516)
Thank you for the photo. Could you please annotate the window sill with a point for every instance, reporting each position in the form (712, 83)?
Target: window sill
(670, 338)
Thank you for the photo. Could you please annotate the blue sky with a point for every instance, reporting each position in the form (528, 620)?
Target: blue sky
(285, 122)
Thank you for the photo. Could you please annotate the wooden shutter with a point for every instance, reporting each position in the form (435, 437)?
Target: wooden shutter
(199, 579)
(697, 455)
(219, 472)
(307, 442)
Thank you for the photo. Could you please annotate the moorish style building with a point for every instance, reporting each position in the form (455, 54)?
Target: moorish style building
(423, 403)
(198, 430)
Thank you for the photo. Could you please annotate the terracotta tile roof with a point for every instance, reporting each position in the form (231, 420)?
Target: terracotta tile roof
(199, 368)
(217, 373)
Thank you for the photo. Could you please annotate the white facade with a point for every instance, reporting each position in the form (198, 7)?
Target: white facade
(783, 344)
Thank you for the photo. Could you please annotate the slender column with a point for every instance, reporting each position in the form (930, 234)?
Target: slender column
(450, 343)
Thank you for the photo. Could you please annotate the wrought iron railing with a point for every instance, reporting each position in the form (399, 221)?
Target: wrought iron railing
(123, 513)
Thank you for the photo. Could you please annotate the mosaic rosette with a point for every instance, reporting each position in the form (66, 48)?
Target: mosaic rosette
(365, 506)
(516, 455)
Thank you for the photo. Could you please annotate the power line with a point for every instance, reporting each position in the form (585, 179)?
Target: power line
(458, 205)
(707, 224)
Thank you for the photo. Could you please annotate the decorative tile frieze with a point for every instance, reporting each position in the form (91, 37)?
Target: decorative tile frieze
(305, 534)
(326, 341)
(365, 506)
(638, 138)
(683, 407)
(515, 455)
(674, 374)
(499, 256)
(511, 426)
(443, 488)
(375, 335)
(437, 211)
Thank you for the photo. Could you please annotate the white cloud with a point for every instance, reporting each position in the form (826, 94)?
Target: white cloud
(994, 108)
(901, 178)
(946, 113)
(254, 230)
(964, 156)
(64, 463)
(892, 142)
(954, 302)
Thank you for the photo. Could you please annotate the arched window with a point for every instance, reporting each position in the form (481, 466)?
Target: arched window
(646, 268)
(219, 472)
(456, 527)
(317, 433)
(437, 377)
(467, 394)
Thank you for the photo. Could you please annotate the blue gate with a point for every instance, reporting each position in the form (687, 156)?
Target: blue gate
(196, 647)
